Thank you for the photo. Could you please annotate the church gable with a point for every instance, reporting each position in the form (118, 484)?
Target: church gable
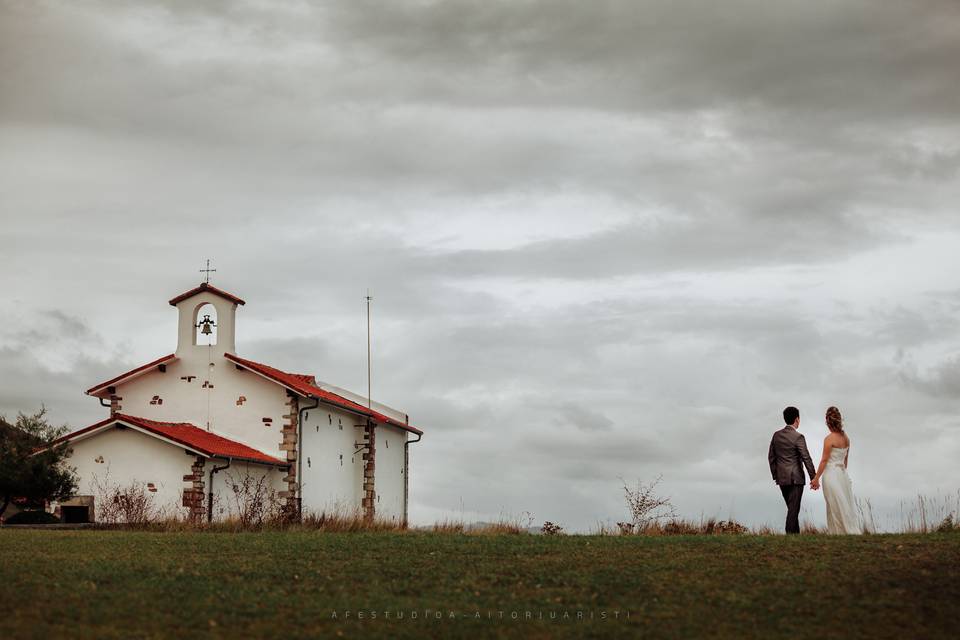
(213, 395)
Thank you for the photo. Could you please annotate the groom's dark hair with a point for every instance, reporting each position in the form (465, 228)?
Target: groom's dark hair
(790, 415)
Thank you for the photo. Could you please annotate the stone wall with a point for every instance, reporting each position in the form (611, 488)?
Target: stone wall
(369, 502)
(291, 496)
(193, 498)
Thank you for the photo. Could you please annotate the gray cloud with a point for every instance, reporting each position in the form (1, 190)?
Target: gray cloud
(583, 418)
(942, 380)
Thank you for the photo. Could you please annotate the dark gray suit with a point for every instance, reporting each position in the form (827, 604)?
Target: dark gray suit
(788, 456)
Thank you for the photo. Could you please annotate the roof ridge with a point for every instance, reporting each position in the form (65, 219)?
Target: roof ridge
(209, 288)
(188, 435)
(298, 385)
(141, 369)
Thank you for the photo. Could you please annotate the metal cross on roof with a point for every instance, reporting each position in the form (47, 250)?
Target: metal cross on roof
(208, 271)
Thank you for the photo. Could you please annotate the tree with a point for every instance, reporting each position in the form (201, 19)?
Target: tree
(32, 462)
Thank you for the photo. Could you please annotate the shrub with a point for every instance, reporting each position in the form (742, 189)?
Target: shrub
(33, 517)
(947, 525)
(131, 504)
(645, 506)
(551, 529)
(256, 503)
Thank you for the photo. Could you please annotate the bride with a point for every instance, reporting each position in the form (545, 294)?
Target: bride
(842, 516)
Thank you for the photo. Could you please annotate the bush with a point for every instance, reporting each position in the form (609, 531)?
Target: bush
(645, 506)
(551, 529)
(948, 525)
(724, 527)
(131, 504)
(33, 517)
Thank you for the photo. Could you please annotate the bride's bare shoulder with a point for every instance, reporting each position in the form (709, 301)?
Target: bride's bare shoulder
(836, 440)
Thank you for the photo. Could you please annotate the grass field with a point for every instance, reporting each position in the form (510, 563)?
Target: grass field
(122, 584)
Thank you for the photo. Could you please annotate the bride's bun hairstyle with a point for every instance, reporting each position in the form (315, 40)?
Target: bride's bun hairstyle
(834, 420)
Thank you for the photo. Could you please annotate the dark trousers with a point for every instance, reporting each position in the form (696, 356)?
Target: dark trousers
(792, 493)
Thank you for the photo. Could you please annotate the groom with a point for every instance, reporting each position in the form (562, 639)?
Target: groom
(788, 449)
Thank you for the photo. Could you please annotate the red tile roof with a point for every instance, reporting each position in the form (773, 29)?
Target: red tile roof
(188, 435)
(130, 374)
(205, 286)
(306, 386)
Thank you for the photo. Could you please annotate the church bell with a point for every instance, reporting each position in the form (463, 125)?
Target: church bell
(206, 325)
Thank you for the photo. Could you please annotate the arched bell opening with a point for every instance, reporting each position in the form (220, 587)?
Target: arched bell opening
(205, 325)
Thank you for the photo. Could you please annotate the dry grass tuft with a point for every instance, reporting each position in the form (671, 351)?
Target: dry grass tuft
(681, 527)
(501, 527)
(808, 528)
(345, 521)
(927, 514)
(504, 525)
(447, 526)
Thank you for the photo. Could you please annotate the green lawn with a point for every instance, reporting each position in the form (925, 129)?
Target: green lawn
(112, 584)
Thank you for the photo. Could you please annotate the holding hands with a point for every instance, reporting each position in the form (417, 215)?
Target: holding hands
(815, 484)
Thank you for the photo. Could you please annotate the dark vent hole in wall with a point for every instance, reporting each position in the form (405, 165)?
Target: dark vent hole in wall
(75, 515)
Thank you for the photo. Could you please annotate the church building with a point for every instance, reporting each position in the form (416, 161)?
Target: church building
(194, 427)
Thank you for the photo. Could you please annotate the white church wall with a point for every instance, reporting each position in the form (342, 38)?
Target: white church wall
(230, 493)
(119, 457)
(389, 472)
(332, 471)
(241, 405)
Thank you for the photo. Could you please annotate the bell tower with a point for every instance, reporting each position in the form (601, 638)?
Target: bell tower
(207, 321)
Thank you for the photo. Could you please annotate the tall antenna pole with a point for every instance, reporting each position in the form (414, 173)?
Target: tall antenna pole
(369, 385)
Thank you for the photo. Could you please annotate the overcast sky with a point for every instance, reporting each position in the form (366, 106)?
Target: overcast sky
(604, 239)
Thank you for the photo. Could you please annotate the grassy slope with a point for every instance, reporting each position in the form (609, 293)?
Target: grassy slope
(130, 584)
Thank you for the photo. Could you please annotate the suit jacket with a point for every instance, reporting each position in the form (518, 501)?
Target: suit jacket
(788, 456)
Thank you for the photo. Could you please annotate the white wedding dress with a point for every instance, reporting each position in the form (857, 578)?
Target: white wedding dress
(842, 515)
